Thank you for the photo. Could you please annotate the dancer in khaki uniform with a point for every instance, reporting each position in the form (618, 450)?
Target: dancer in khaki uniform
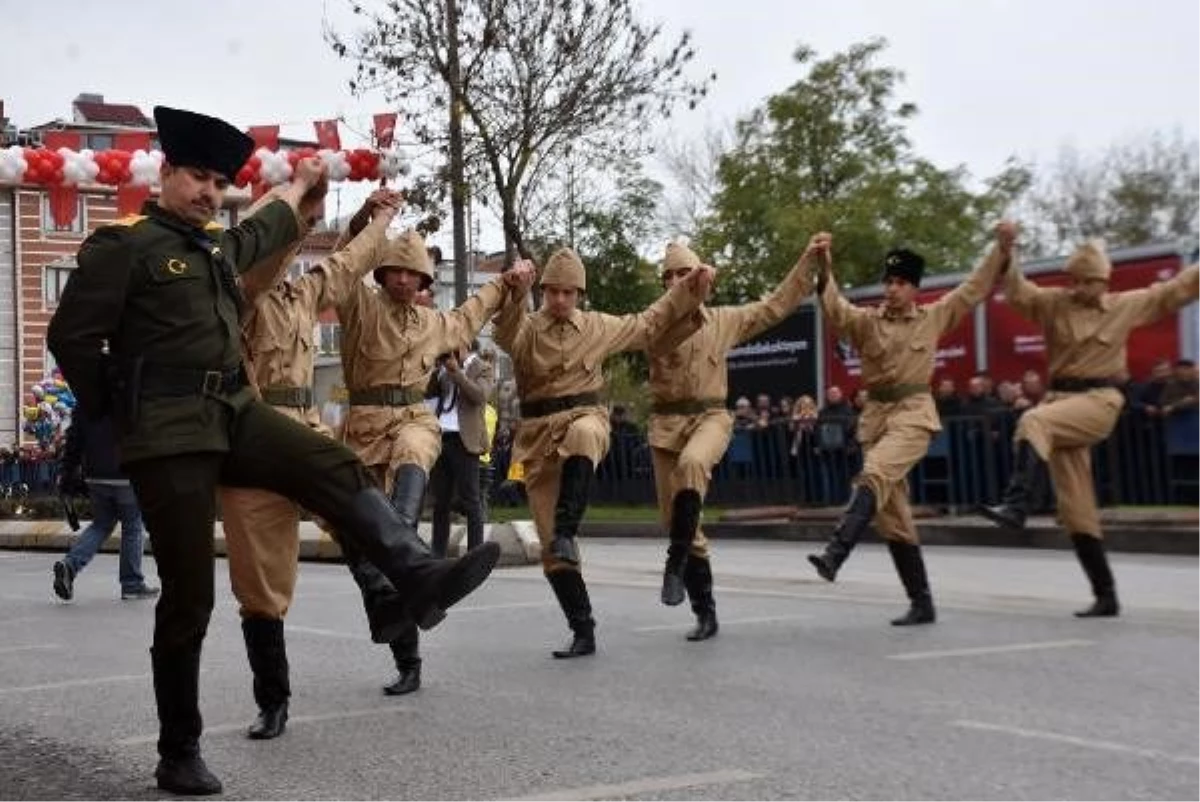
(690, 426)
(898, 343)
(1086, 328)
(262, 528)
(390, 346)
(558, 355)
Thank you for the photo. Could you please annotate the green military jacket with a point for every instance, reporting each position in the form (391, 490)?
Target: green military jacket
(152, 289)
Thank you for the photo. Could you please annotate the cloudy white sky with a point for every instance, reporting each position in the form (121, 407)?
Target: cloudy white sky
(992, 78)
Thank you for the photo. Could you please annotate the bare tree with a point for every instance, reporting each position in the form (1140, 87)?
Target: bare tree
(1136, 192)
(535, 77)
(691, 171)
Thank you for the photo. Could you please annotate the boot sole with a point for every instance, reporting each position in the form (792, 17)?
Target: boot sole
(467, 574)
(1000, 520)
(822, 568)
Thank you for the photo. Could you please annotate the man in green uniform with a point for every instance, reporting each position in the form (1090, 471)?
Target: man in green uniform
(148, 327)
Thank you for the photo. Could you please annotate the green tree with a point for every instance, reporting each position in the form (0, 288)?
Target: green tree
(831, 153)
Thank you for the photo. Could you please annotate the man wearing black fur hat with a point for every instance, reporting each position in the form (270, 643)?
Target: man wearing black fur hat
(898, 342)
(148, 327)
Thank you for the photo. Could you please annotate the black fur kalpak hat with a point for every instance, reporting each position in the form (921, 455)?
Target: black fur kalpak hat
(905, 264)
(189, 139)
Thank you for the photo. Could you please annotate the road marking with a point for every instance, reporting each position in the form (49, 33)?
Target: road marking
(1089, 743)
(328, 633)
(648, 785)
(35, 648)
(240, 727)
(75, 683)
(767, 619)
(1011, 647)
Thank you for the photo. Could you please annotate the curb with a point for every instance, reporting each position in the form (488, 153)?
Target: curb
(516, 546)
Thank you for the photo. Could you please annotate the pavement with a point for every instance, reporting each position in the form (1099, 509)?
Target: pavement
(806, 693)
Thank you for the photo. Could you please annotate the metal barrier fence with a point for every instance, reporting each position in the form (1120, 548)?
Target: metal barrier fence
(1146, 461)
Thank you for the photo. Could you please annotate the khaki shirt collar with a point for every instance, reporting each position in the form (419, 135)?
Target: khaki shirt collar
(545, 320)
(908, 314)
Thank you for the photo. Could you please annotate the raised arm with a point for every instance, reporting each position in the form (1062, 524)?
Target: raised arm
(749, 320)
(278, 224)
(951, 308)
(840, 313)
(638, 331)
(1165, 298)
(510, 320)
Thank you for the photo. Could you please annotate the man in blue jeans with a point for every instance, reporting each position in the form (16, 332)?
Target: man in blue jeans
(90, 466)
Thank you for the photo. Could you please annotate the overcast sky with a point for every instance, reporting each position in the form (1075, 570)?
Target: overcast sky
(992, 78)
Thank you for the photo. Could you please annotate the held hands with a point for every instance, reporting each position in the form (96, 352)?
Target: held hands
(1006, 236)
(820, 247)
(700, 280)
(520, 276)
(378, 202)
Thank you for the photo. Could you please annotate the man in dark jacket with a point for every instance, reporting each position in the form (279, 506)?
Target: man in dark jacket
(89, 467)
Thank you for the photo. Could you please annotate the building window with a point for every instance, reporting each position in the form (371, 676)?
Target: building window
(54, 281)
(329, 339)
(100, 141)
(76, 226)
(297, 269)
(224, 217)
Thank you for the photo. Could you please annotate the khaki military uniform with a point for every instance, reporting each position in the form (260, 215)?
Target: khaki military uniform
(556, 359)
(390, 345)
(1085, 343)
(898, 353)
(261, 527)
(690, 426)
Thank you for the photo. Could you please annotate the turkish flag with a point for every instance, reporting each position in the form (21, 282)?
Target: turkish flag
(385, 129)
(264, 136)
(327, 134)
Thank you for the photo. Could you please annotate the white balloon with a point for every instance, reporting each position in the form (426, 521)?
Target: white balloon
(392, 164)
(78, 167)
(336, 163)
(275, 168)
(144, 168)
(12, 164)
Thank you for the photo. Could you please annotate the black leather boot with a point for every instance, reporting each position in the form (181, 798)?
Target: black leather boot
(572, 596)
(573, 490)
(697, 576)
(1014, 504)
(180, 769)
(268, 661)
(406, 652)
(846, 534)
(429, 586)
(911, 568)
(685, 518)
(1090, 551)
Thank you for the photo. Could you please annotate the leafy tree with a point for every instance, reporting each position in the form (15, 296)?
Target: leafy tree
(535, 77)
(831, 153)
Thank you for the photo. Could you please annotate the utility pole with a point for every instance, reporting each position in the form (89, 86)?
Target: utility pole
(458, 182)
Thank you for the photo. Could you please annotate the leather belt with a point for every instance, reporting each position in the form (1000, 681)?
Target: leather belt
(279, 395)
(891, 393)
(390, 395)
(161, 381)
(548, 406)
(1069, 385)
(689, 406)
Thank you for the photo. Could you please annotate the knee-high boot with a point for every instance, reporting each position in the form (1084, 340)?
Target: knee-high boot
(267, 651)
(685, 518)
(1014, 505)
(698, 578)
(407, 654)
(572, 595)
(911, 568)
(846, 534)
(1090, 551)
(576, 484)
(180, 769)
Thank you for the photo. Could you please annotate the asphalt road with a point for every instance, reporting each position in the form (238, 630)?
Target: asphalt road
(807, 693)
